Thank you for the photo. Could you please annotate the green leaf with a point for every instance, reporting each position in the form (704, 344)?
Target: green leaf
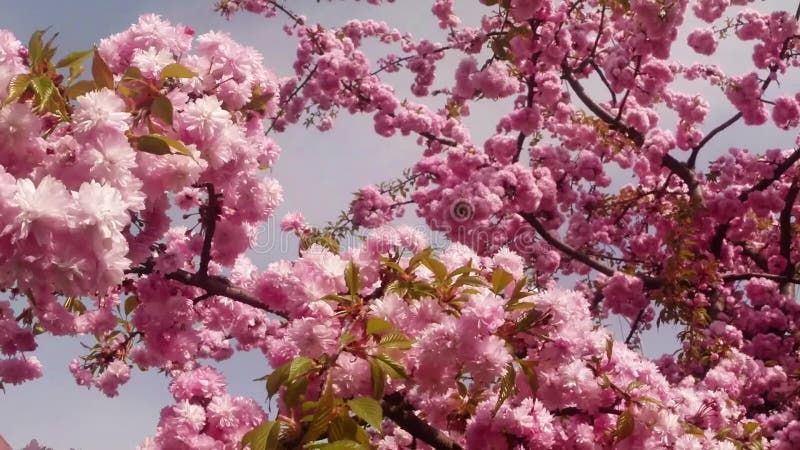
(396, 340)
(276, 379)
(344, 444)
(520, 305)
(35, 47)
(463, 270)
(519, 294)
(437, 267)
(131, 303)
(160, 145)
(74, 58)
(500, 279)
(176, 70)
(177, 145)
(469, 280)
(152, 144)
(299, 367)
(369, 410)
(378, 326)
(394, 266)
(529, 369)
(74, 72)
(392, 368)
(750, 428)
(80, 88)
(343, 427)
(352, 278)
(132, 73)
(508, 387)
(43, 87)
(624, 427)
(378, 378)
(295, 392)
(416, 260)
(17, 87)
(531, 318)
(101, 72)
(262, 437)
(258, 102)
(162, 108)
(74, 304)
(341, 299)
(323, 415)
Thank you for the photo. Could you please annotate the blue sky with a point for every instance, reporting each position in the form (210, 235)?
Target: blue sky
(318, 172)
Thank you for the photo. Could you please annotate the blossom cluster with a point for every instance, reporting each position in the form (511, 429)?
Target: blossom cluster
(389, 344)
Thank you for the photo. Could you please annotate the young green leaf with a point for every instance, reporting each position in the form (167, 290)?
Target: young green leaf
(74, 58)
(396, 340)
(323, 414)
(131, 303)
(352, 279)
(507, 388)
(378, 326)
(101, 72)
(624, 427)
(17, 87)
(162, 108)
(262, 437)
(299, 367)
(378, 378)
(35, 47)
(80, 88)
(176, 70)
(500, 279)
(152, 144)
(392, 368)
(344, 444)
(369, 410)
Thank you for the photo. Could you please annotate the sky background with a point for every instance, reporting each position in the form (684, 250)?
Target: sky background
(318, 171)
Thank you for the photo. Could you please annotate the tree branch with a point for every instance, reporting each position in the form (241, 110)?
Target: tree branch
(531, 82)
(649, 282)
(785, 221)
(766, 276)
(722, 229)
(635, 326)
(210, 215)
(563, 247)
(396, 408)
(220, 286)
(677, 167)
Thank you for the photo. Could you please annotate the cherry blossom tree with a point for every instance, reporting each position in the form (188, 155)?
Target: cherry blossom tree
(130, 195)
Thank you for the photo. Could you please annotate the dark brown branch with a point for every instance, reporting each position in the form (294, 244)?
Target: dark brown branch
(649, 282)
(396, 408)
(635, 326)
(598, 111)
(285, 101)
(220, 286)
(531, 82)
(575, 411)
(767, 276)
(210, 215)
(722, 127)
(677, 167)
(779, 171)
(754, 256)
(785, 222)
(289, 13)
(722, 229)
(565, 248)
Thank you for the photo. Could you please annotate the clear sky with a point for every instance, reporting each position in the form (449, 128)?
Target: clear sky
(318, 173)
